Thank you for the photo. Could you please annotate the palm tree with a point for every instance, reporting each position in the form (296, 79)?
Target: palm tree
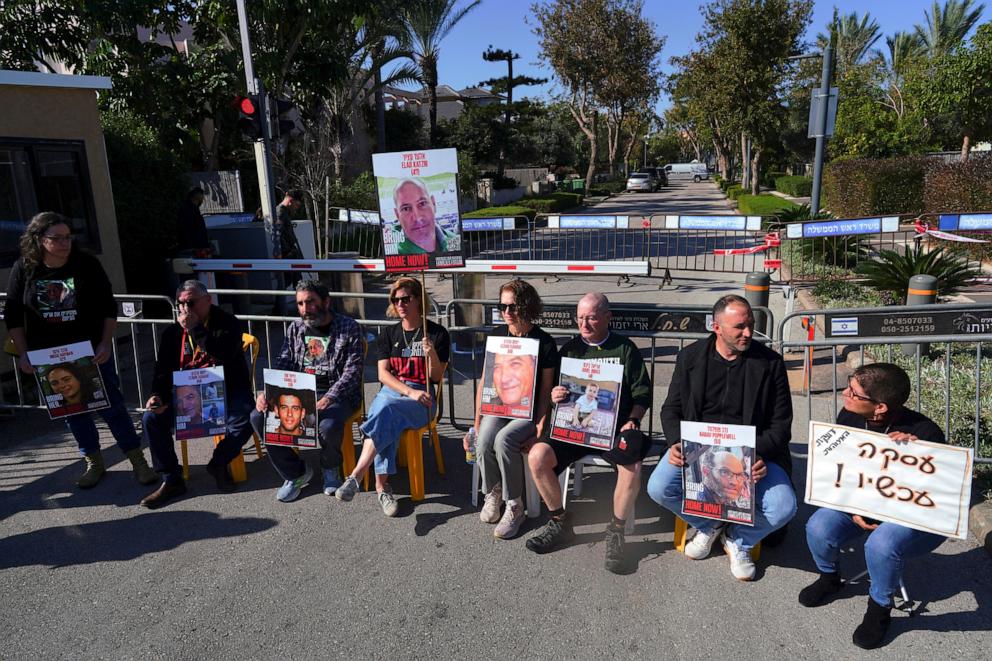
(428, 22)
(946, 28)
(903, 47)
(853, 38)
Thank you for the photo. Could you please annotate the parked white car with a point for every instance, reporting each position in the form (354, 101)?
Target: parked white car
(642, 181)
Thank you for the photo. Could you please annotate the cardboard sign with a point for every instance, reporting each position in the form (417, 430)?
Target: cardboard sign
(589, 416)
(717, 480)
(509, 377)
(291, 418)
(69, 379)
(418, 203)
(917, 484)
(200, 401)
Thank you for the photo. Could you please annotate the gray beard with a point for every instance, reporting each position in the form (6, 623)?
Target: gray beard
(315, 323)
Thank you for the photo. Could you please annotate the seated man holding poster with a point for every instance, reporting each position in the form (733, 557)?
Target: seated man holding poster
(728, 379)
(596, 346)
(329, 346)
(873, 400)
(203, 336)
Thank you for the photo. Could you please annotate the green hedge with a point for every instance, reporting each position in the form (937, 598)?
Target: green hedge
(735, 191)
(762, 205)
(552, 203)
(727, 183)
(859, 187)
(501, 212)
(794, 186)
(769, 179)
(962, 186)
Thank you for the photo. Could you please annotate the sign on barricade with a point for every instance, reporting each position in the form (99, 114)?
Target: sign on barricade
(582, 222)
(846, 227)
(488, 224)
(562, 317)
(359, 216)
(922, 485)
(726, 223)
(905, 324)
(966, 222)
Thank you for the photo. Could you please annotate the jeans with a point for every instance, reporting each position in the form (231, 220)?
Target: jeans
(775, 503)
(390, 414)
(158, 433)
(330, 429)
(886, 549)
(499, 456)
(119, 421)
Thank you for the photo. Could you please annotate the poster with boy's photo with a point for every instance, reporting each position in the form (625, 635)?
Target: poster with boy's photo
(418, 204)
(509, 377)
(291, 408)
(589, 416)
(69, 379)
(200, 403)
(717, 476)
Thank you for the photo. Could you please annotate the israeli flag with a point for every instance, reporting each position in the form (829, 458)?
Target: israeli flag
(844, 326)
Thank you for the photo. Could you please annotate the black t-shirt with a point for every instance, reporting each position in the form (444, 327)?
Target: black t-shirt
(405, 350)
(547, 351)
(909, 422)
(724, 395)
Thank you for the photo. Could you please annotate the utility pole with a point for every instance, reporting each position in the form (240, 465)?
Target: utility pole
(821, 134)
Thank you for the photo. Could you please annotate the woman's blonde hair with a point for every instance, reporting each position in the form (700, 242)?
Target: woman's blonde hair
(413, 286)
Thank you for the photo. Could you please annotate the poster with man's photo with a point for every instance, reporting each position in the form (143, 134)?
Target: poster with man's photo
(418, 204)
(717, 477)
(509, 377)
(291, 408)
(69, 379)
(200, 402)
(56, 299)
(589, 416)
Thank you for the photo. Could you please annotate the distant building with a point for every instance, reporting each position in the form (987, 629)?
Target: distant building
(450, 103)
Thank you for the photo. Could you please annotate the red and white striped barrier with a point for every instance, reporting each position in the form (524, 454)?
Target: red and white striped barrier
(550, 267)
(771, 240)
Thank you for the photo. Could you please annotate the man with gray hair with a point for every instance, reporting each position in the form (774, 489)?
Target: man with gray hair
(203, 336)
(415, 211)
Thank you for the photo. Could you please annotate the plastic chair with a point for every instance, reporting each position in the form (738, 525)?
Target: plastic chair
(530, 489)
(239, 473)
(348, 459)
(577, 468)
(682, 527)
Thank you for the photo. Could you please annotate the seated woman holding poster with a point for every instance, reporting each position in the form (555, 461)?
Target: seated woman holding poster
(873, 400)
(410, 352)
(83, 311)
(512, 405)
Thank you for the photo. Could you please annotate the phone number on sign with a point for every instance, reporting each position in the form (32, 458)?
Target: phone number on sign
(911, 328)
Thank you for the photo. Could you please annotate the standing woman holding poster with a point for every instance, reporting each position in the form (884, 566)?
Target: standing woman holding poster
(85, 312)
(412, 354)
(501, 442)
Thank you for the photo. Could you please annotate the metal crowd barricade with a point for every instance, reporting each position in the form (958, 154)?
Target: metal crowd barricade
(505, 237)
(351, 230)
(724, 244)
(590, 237)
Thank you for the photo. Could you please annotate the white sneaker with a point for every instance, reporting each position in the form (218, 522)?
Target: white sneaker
(700, 545)
(491, 508)
(509, 525)
(741, 564)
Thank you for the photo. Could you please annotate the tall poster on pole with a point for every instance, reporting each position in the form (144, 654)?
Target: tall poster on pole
(291, 418)
(69, 379)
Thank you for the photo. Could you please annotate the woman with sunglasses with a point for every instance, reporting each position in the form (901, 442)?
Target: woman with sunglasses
(406, 351)
(56, 296)
(501, 442)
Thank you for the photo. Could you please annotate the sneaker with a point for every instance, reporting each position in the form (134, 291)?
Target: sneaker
(290, 489)
(509, 525)
(388, 503)
(616, 562)
(700, 545)
(555, 534)
(332, 480)
(816, 592)
(741, 564)
(347, 491)
(490, 509)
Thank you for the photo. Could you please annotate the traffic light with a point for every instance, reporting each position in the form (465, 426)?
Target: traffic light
(285, 118)
(249, 116)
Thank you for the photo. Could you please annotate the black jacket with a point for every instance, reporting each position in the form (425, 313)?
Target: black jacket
(767, 400)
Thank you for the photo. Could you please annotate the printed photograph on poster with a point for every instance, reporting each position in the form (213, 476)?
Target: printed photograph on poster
(589, 416)
(509, 377)
(291, 416)
(56, 299)
(200, 402)
(418, 203)
(69, 379)
(717, 476)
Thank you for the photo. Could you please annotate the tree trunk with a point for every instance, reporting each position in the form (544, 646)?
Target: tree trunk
(380, 114)
(966, 147)
(755, 163)
(593, 136)
(745, 163)
(432, 113)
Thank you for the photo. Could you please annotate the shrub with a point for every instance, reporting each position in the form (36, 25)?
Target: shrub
(359, 194)
(727, 183)
(770, 177)
(891, 271)
(962, 186)
(794, 186)
(838, 293)
(762, 205)
(735, 191)
(499, 212)
(871, 187)
(552, 203)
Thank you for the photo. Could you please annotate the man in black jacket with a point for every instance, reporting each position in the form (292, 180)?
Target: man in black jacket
(203, 336)
(726, 378)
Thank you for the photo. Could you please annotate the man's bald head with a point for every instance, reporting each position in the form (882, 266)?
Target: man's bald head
(593, 317)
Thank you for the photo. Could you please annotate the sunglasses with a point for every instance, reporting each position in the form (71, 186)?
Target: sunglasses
(509, 307)
(401, 300)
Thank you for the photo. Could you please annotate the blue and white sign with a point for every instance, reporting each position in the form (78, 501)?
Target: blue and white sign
(588, 222)
(487, 224)
(844, 326)
(359, 216)
(823, 228)
(968, 222)
(726, 223)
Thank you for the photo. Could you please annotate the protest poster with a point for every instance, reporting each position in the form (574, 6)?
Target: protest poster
(717, 477)
(917, 484)
(291, 416)
(418, 204)
(69, 379)
(589, 416)
(200, 401)
(509, 377)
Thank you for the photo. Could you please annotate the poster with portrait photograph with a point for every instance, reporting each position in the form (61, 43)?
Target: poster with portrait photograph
(589, 416)
(291, 408)
(418, 204)
(509, 377)
(200, 402)
(717, 477)
(56, 299)
(69, 380)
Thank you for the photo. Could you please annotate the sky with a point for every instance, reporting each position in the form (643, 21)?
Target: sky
(508, 24)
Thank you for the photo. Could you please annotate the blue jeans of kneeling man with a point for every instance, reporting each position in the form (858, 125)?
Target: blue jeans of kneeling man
(388, 416)
(775, 505)
(330, 429)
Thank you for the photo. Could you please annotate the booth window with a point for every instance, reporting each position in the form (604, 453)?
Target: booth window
(44, 175)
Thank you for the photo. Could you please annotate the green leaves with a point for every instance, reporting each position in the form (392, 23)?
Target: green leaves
(891, 271)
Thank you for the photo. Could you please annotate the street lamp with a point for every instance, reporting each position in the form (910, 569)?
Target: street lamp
(646, 150)
(821, 129)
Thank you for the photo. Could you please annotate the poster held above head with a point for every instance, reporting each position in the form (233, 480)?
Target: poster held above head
(589, 416)
(291, 418)
(509, 377)
(717, 479)
(200, 402)
(69, 379)
(418, 203)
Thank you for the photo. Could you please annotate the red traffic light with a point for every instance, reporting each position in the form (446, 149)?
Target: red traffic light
(247, 106)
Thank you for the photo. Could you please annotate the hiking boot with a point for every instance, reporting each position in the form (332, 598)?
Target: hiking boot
(347, 491)
(166, 492)
(332, 480)
(143, 473)
(741, 564)
(490, 508)
(509, 525)
(555, 534)
(816, 592)
(223, 479)
(871, 631)
(702, 542)
(615, 562)
(388, 503)
(94, 471)
(290, 489)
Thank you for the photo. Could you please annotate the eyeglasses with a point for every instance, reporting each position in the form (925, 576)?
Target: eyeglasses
(510, 307)
(187, 302)
(728, 474)
(850, 393)
(58, 238)
(401, 300)
(590, 319)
